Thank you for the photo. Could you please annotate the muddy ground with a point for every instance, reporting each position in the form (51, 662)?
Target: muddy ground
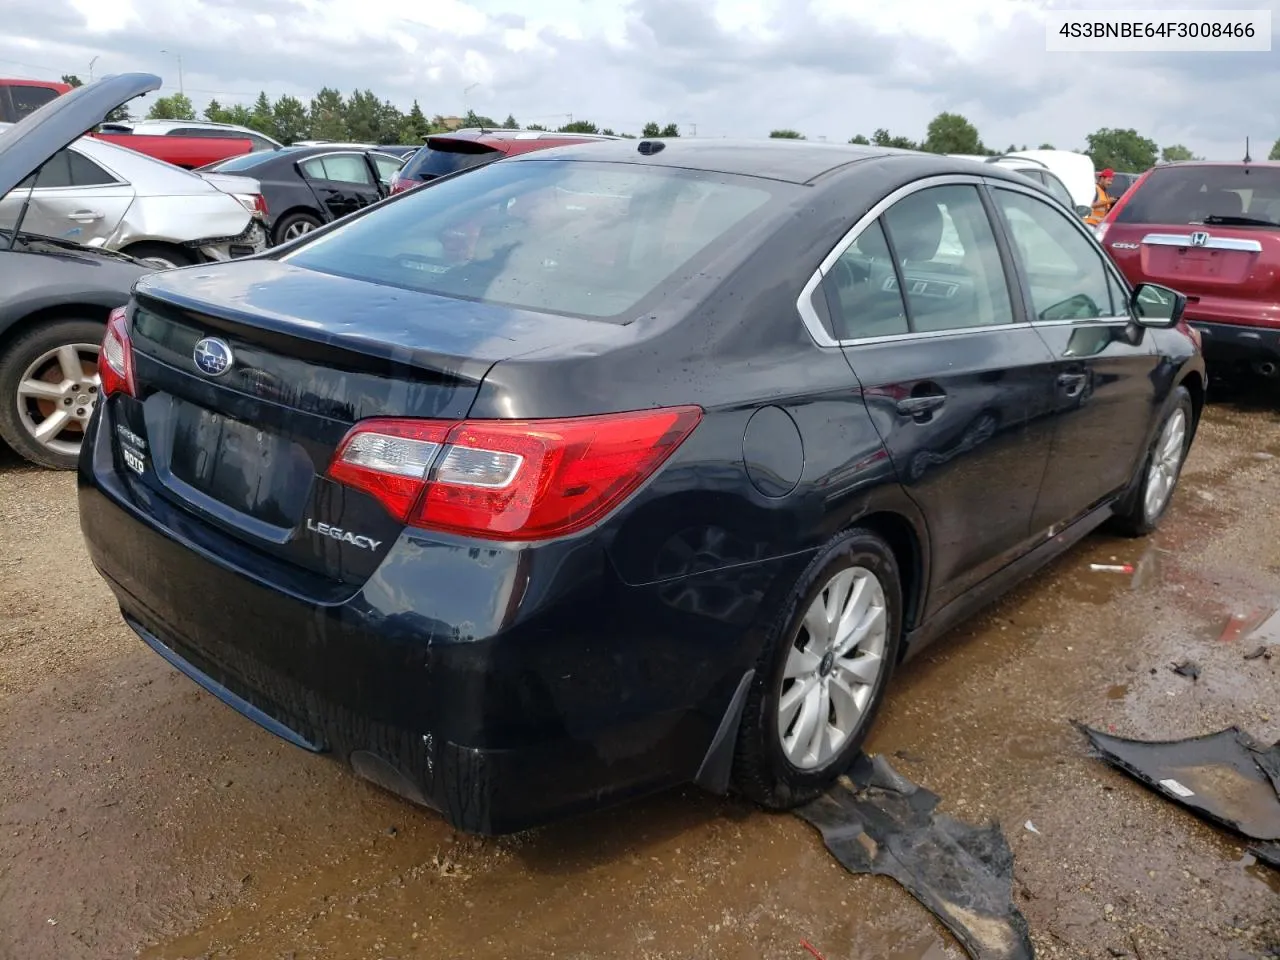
(139, 816)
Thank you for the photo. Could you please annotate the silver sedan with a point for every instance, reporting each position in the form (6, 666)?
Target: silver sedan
(107, 196)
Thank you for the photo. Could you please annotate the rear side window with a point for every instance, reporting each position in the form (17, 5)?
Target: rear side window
(1229, 195)
(245, 161)
(442, 157)
(948, 260)
(338, 167)
(863, 292)
(67, 168)
(591, 240)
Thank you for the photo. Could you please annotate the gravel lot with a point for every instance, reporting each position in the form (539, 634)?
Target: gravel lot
(140, 816)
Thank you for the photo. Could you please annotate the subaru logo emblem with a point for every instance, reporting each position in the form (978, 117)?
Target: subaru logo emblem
(212, 357)
(1199, 238)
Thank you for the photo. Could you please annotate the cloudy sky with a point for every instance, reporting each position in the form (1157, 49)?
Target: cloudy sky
(829, 68)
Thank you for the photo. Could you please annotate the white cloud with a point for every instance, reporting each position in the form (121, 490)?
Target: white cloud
(742, 67)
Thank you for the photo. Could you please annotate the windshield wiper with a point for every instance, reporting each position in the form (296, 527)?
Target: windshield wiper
(1228, 221)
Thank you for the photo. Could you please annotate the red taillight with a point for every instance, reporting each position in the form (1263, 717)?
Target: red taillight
(115, 359)
(509, 479)
(260, 205)
(400, 184)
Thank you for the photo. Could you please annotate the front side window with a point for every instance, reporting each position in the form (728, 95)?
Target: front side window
(1064, 270)
(591, 240)
(948, 262)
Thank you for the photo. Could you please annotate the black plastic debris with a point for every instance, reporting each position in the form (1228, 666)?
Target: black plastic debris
(1226, 777)
(877, 821)
(1268, 853)
(1187, 668)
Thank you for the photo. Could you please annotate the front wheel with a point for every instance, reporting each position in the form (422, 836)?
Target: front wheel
(1142, 510)
(296, 225)
(823, 673)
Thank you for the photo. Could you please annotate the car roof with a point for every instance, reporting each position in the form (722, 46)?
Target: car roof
(794, 161)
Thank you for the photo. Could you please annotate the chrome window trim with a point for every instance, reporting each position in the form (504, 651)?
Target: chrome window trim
(804, 303)
(1213, 243)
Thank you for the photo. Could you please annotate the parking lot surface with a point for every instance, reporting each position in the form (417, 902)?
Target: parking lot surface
(138, 815)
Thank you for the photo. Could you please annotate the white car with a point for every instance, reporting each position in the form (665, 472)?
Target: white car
(106, 196)
(193, 128)
(1067, 175)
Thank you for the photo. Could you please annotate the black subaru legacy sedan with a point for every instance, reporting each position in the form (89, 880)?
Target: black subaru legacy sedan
(604, 469)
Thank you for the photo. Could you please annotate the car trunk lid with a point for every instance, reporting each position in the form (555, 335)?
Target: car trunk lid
(244, 445)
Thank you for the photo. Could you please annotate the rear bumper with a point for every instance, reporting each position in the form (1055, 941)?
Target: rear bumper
(501, 687)
(252, 240)
(1237, 342)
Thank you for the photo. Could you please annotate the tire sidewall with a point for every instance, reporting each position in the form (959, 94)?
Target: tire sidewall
(855, 549)
(282, 226)
(14, 360)
(1180, 400)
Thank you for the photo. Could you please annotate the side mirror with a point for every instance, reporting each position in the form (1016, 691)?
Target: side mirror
(1082, 210)
(1157, 306)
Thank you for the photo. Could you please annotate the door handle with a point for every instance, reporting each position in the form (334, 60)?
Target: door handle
(919, 406)
(85, 216)
(1072, 383)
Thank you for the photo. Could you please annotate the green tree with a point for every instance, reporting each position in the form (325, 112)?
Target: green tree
(535, 126)
(861, 141)
(364, 116)
(1121, 150)
(1176, 151)
(263, 117)
(240, 115)
(387, 129)
(415, 126)
(650, 129)
(328, 115)
(175, 107)
(882, 138)
(1046, 146)
(510, 123)
(580, 126)
(1275, 151)
(670, 130)
(627, 136)
(473, 119)
(952, 133)
(290, 119)
(786, 135)
(71, 80)
(215, 112)
(608, 132)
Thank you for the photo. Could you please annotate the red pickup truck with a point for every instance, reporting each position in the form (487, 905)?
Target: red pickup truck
(20, 97)
(185, 152)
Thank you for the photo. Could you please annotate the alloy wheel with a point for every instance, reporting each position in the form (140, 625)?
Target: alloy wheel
(1166, 462)
(57, 395)
(298, 228)
(832, 668)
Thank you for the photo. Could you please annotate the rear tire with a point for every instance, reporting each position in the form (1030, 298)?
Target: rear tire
(816, 691)
(165, 256)
(1142, 510)
(295, 225)
(37, 379)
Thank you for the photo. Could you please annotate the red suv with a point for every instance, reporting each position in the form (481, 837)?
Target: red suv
(1211, 231)
(462, 149)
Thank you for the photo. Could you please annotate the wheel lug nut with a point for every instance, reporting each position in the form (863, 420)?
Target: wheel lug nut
(67, 401)
(79, 411)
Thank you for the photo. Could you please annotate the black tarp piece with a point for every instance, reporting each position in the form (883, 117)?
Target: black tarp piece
(1268, 853)
(877, 821)
(1227, 777)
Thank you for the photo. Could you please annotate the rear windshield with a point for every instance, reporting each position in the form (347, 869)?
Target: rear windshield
(441, 157)
(1228, 195)
(585, 239)
(245, 161)
(29, 99)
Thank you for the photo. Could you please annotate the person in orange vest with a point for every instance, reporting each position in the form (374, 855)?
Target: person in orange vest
(1103, 201)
